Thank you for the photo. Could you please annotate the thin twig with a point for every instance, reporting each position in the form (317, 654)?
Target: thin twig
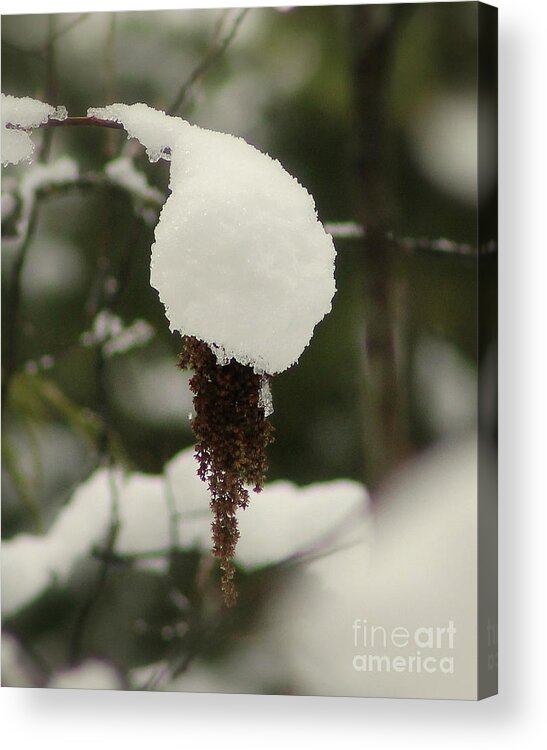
(215, 51)
(110, 77)
(71, 25)
(442, 246)
(174, 515)
(40, 665)
(341, 231)
(90, 180)
(14, 293)
(51, 83)
(84, 122)
(38, 55)
(98, 299)
(84, 615)
(170, 670)
(14, 305)
(351, 231)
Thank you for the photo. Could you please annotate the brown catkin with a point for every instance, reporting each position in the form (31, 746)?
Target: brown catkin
(232, 436)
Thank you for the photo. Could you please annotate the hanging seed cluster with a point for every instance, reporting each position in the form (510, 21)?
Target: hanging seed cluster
(232, 436)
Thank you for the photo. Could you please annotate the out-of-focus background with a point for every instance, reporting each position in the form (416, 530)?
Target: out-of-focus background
(374, 110)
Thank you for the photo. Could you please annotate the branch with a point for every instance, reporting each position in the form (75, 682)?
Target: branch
(71, 25)
(384, 407)
(82, 620)
(351, 231)
(83, 122)
(37, 55)
(40, 54)
(174, 515)
(442, 246)
(341, 231)
(14, 304)
(215, 51)
(91, 180)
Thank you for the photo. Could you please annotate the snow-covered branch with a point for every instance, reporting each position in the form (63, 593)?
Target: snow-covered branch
(307, 520)
(352, 231)
(19, 116)
(85, 122)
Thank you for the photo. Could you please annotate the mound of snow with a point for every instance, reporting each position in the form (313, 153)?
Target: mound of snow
(18, 115)
(240, 259)
(31, 562)
(155, 511)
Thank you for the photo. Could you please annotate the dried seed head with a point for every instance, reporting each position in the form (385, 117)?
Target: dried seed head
(232, 435)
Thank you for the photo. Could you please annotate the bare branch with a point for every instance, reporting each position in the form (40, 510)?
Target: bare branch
(174, 515)
(71, 25)
(215, 51)
(350, 230)
(91, 180)
(84, 122)
(345, 230)
(40, 54)
(82, 620)
(37, 55)
(110, 76)
(14, 305)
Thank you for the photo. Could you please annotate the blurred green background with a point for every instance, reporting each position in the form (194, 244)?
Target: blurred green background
(286, 83)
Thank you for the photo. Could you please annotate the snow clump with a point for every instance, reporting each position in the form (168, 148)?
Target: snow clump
(18, 116)
(155, 511)
(122, 171)
(240, 259)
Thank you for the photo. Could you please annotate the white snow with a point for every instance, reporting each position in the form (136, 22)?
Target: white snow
(191, 494)
(345, 230)
(17, 668)
(240, 259)
(38, 177)
(138, 333)
(26, 570)
(33, 179)
(109, 330)
(22, 114)
(265, 400)
(156, 131)
(9, 204)
(412, 575)
(30, 563)
(154, 511)
(284, 521)
(281, 522)
(122, 171)
(420, 571)
(144, 519)
(92, 674)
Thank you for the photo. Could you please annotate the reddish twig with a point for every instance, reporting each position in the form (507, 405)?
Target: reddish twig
(86, 122)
